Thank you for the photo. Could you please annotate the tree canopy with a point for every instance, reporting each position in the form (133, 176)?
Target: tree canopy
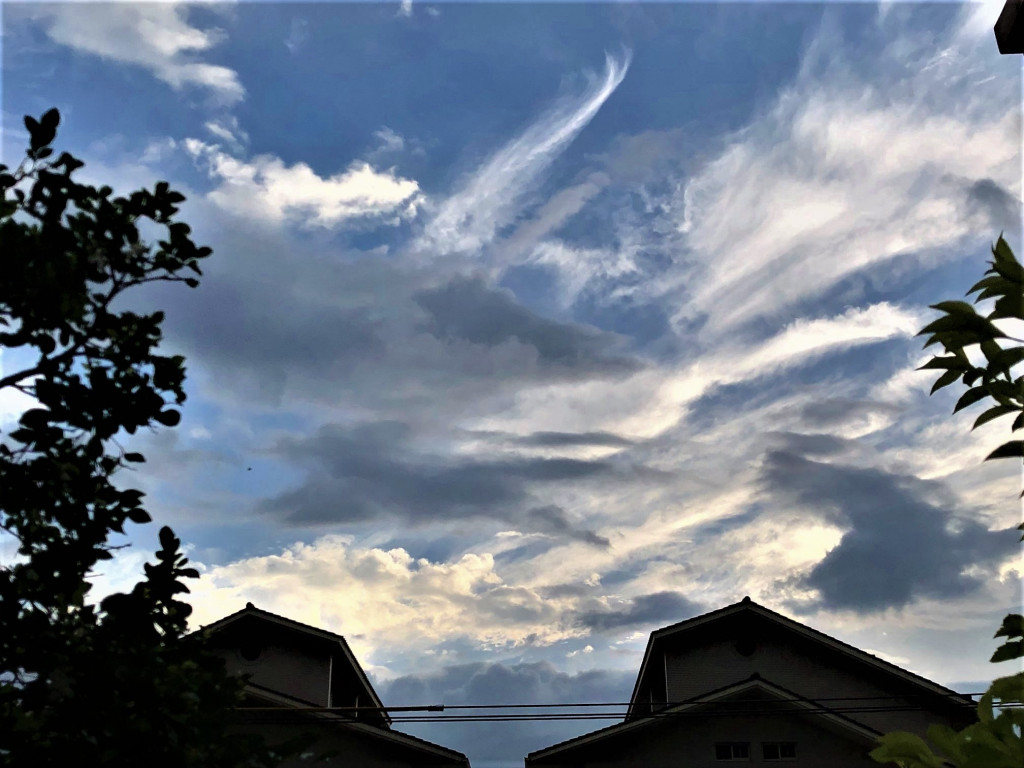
(122, 682)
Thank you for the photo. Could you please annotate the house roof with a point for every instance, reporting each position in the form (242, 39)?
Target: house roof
(309, 710)
(251, 611)
(798, 703)
(674, 632)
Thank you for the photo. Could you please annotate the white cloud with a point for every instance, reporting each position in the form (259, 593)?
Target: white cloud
(405, 9)
(654, 400)
(298, 33)
(384, 598)
(156, 36)
(265, 188)
(842, 173)
(228, 130)
(390, 141)
(490, 199)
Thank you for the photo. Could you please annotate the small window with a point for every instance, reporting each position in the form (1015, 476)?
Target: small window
(732, 750)
(779, 750)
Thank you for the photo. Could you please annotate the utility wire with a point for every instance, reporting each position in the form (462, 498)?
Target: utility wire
(276, 715)
(956, 697)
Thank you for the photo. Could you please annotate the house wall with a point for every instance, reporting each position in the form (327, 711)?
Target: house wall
(689, 742)
(802, 669)
(347, 747)
(297, 673)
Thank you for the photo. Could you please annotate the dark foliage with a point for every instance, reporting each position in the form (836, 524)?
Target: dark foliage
(120, 683)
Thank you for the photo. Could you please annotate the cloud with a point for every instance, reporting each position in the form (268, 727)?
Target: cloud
(385, 602)
(652, 610)
(901, 540)
(834, 412)
(371, 472)
(655, 399)
(155, 36)
(504, 683)
(267, 189)
(390, 141)
(227, 130)
(572, 439)
(298, 33)
(466, 310)
(471, 217)
(552, 519)
(845, 171)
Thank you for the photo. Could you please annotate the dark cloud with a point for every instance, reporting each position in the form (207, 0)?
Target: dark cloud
(297, 318)
(552, 519)
(833, 412)
(572, 439)
(655, 609)
(369, 471)
(903, 542)
(573, 589)
(814, 445)
(236, 328)
(468, 310)
(526, 683)
(990, 199)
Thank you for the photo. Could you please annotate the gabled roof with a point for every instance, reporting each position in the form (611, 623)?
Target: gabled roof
(674, 632)
(796, 702)
(335, 719)
(330, 638)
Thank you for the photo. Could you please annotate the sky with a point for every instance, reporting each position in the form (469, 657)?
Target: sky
(531, 328)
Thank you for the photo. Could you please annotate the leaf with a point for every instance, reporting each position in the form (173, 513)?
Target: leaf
(1013, 624)
(135, 458)
(903, 747)
(1011, 450)
(947, 740)
(950, 363)
(139, 516)
(168, 540)
(994, 413)
(50, 119)
(991, 350)
(1010, 688)
(1012, 356)
(944, 381)
(1013, 649)
(970, 397)
(955, 308)
(994, 285)
(168, 418)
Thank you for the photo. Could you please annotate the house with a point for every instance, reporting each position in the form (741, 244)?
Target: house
(745, 684)
(305, 680)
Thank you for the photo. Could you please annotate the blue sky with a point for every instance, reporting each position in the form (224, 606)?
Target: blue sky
(533, 328)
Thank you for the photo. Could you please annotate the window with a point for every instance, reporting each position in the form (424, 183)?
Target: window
(732, 750)
(779, 750)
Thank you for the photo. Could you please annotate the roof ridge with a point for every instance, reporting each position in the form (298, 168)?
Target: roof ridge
(746, 604)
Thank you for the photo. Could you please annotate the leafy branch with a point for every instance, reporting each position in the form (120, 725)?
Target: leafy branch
(996, 740)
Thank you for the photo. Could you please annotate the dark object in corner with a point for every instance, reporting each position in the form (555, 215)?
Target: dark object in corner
(1009, 27)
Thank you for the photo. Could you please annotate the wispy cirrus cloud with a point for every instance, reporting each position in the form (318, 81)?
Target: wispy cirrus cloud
(470, 218)
(845, 172)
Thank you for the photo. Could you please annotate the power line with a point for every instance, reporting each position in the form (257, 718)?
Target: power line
(275, 714)
(955, 697)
